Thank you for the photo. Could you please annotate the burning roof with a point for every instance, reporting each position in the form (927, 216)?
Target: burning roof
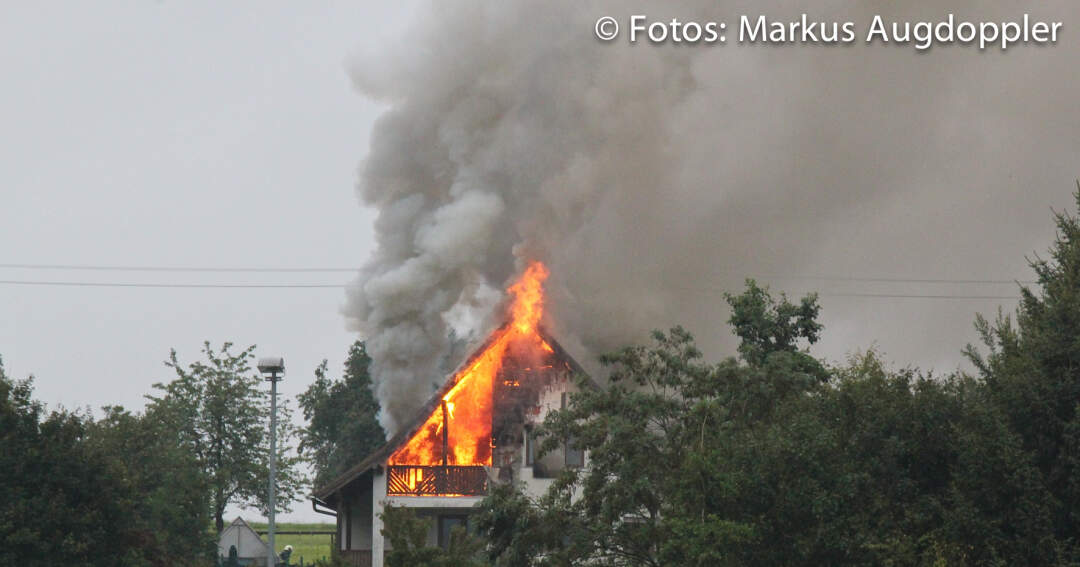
(483, 401)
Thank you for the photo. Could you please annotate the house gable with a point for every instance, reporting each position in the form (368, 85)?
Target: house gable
(516, 409)
(248, 543)
(529, 382)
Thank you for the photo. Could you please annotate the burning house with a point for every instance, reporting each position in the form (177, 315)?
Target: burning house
(475, 431)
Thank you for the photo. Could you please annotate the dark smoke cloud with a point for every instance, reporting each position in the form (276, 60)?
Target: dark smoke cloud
(651, 179)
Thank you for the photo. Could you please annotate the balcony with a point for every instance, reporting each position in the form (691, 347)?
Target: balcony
(450, 480)
(356, 558)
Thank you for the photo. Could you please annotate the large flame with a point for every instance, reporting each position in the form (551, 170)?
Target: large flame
(465, 412)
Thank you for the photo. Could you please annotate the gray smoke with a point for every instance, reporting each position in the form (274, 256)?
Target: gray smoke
(652, 178)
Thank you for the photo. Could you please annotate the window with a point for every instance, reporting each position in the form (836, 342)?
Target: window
(575, 458)
(446, 525)
(530, 448)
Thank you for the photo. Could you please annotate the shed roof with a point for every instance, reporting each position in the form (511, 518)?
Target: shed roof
(247, 541)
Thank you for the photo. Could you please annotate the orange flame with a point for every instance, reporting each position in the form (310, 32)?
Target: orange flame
(528, 298)
(468, 404)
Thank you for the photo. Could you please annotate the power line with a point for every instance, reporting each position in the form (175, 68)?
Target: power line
(900, 280)
(170, 285)
(85, 267)
(920, 296)
(268, 269)
(877, 295)
(342, 286)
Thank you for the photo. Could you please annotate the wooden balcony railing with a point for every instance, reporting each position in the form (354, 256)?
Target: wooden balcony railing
(356, 558)
(407, 480)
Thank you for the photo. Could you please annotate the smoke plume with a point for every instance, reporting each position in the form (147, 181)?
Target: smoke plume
(652, 178)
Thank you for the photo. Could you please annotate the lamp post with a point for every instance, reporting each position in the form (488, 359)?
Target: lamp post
(273, 368)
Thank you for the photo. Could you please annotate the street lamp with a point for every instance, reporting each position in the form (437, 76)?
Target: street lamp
(273, 368)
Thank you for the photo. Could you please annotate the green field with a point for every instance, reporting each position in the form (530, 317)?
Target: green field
(309, 547)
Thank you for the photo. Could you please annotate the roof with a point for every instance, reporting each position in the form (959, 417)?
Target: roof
(405, 433)
(246, 539)
(240, 523)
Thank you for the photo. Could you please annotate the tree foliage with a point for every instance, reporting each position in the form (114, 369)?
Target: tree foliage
(779, 459)
(407, 534)
(167, 503)
(1032, 369)
(220, 409)
(766, 326)
(657, 490)
(342, 425)
(79, 492)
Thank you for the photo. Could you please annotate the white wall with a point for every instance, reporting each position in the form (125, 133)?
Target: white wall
(434, 502)
(378, 504)
(550, 400)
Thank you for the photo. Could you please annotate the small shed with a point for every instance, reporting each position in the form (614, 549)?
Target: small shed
(250, 548)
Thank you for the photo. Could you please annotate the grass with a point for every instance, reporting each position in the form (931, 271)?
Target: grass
(310, 547)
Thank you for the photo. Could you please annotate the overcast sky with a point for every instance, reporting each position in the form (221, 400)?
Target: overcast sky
(145, 133)
(228, 134)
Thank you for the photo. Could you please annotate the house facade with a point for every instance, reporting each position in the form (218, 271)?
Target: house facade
(439, 467)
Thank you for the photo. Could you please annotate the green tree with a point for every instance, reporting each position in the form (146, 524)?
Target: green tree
(79, 492)
(1033, 371)
(59, 504)
(342, 425)
(407, 534)
(516, 530)
(169, 505)
(220, 409)
(655, 491)
(778, 460)
(766, 326)
(888, 468)
(773, 330)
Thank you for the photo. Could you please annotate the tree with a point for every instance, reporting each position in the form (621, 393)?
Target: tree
(79, 492)
(766, 326)
(652, 492)
(889, 467)
(59, 504)
(220, 410)
(169, 504)
(656, 491)
(770, 329)
(407, 533)
(779, 460)
(1033, 371)
(342, 417)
